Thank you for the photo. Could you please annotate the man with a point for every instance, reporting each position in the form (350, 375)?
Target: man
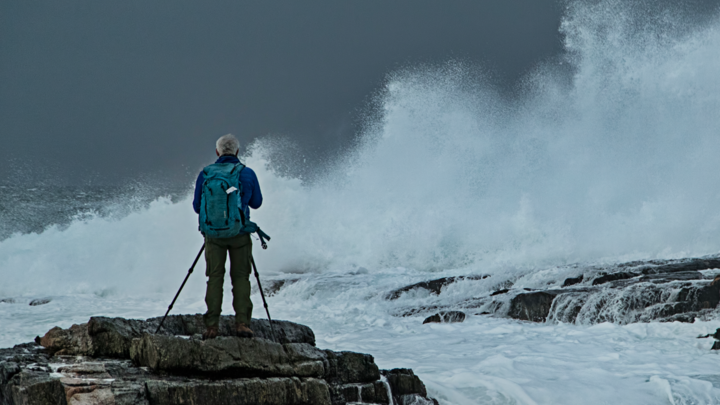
(238, 246)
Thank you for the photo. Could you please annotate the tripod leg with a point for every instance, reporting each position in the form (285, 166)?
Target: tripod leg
(181, 287)
(262, 294)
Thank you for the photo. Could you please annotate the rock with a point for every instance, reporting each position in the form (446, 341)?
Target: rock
(406, 387)
(112, 337)
(678, 276)
(8, 369)
(39, 301)
(573, 281)
(533, 306)
(268, 391)
(415, 399)
(604, 278)
(639, 291)
(171, 369)
(347, 393)
(226, 356)
(350, 367)
(374, 393)
(708, 297)
(498, 292)
(72, 341)
(34, 387)
(715, 281)
(716, 335)
(415, 311)
(446, 317)
(7, 301)
(672, 266)
(188, 325)
(434, 286)
(272, 287)
(378, 392)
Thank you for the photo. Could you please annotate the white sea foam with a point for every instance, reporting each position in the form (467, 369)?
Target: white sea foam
(617, 162)
(483, 360)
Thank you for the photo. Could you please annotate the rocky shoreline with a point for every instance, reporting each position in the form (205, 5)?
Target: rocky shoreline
(640, 291)
(122, 362)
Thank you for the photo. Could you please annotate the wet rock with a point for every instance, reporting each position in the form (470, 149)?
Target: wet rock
(406, 387)
(272, 287)
(39, 301)
(684, 318)
(170, 369)
(347, 393)
(716, 335)
(7, 301)
(270, 391)
(112, 337)
(72, 341)
(433, 286)
(663, 270)
(672, 266)
(708, 297)
(34, 387)
(533, 306)
(573, 280)
(377, 392)
(226, 356)
(415, 399)
(605, 278)
(350, 367)
(446, 317)
(371, 393)
(639, 291)
(416, 311)
(188, 325)
(498, 292)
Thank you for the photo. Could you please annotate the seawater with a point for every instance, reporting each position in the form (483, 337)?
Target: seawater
(607, 154)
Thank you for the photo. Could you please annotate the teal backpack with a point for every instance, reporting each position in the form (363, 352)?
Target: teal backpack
(220, 215)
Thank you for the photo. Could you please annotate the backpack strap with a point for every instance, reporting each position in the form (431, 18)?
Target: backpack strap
(236, 166)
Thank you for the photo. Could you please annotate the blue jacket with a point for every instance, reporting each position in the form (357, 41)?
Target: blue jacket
(251, 196)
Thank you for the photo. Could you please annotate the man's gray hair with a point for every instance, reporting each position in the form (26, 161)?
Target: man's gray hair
(227, 145)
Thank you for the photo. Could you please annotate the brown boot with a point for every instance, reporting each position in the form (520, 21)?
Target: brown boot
(243, 331)
(210, 333)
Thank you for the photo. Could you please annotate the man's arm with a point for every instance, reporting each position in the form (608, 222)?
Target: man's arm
(198, 192)
(251, 180)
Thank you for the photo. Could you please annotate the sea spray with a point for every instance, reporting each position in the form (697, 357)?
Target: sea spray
(616, 161)
(616, 165)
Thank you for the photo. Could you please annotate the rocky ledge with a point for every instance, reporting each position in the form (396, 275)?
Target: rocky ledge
(123, 362)
(641, 291)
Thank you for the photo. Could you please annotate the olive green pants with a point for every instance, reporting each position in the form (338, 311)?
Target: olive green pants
(216, 251)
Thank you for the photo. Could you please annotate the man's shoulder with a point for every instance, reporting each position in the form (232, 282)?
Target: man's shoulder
(247, 171)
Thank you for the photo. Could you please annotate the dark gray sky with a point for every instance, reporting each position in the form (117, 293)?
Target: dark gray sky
(120, 89)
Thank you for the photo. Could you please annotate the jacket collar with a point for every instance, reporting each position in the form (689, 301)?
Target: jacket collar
(227, 159)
